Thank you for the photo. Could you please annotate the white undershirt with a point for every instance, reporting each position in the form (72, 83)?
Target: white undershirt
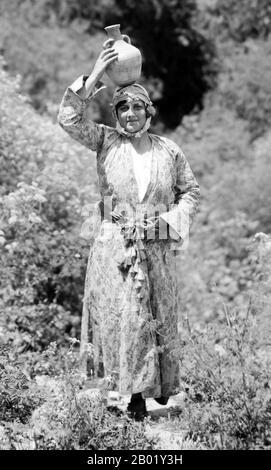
(142, 170)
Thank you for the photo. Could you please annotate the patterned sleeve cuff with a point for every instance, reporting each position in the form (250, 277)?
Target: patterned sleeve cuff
(78, 84)
(178, 221)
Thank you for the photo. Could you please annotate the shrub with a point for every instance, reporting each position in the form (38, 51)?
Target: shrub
(227, 377)
(87, 424)
(18, 395)
(63, 416)
(244, 85)
(73, 418)
(244, 19)
(43, 259)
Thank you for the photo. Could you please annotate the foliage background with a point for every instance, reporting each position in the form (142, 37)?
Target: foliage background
(206, 64)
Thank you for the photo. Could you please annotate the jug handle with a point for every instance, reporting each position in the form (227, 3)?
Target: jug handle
(126, 38)
(108, 43)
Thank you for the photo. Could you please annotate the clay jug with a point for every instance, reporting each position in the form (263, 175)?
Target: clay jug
(127, 68)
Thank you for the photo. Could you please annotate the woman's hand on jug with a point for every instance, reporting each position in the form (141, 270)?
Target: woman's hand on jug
(106, 57)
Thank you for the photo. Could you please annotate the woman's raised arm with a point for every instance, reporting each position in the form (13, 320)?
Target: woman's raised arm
(72, 117)
(106, 57)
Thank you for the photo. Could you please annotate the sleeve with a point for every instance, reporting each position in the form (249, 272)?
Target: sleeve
(187, 194)
(73, 119)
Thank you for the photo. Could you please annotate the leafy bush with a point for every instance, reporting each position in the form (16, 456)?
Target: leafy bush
(212, 139)
(241, 32)
(86, 424)
(63, 416)
(44, 187)
(47, 55)
(248, 93)
(18, 395)
(227, 377)
(244, 19)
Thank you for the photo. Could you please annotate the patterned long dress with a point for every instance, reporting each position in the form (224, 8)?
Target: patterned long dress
(131, 291)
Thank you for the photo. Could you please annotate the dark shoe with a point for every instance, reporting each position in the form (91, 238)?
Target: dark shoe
(115, 410)
(162, 400)
(136, 409)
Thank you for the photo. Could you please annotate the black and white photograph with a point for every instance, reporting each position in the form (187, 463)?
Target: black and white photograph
(135, 230)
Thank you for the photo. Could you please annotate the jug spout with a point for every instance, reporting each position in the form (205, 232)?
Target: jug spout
(113, 31)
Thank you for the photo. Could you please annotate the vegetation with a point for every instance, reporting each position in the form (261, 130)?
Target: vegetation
(227, 378)
(220, 89)
(65, 417)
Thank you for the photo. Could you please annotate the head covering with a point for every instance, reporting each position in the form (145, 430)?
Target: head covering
(134, 92)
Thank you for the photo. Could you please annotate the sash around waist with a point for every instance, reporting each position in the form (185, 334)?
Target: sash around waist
(142, 223)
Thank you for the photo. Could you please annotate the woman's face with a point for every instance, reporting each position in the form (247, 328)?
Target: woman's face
(132, 115)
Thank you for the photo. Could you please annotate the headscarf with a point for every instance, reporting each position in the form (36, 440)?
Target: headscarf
(134, 92)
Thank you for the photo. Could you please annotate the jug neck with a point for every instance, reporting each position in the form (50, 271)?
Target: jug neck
(113, 32)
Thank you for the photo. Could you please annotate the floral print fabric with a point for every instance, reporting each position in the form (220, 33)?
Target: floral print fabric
(131, 294)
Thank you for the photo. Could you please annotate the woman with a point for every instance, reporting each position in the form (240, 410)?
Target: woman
(149, 196)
